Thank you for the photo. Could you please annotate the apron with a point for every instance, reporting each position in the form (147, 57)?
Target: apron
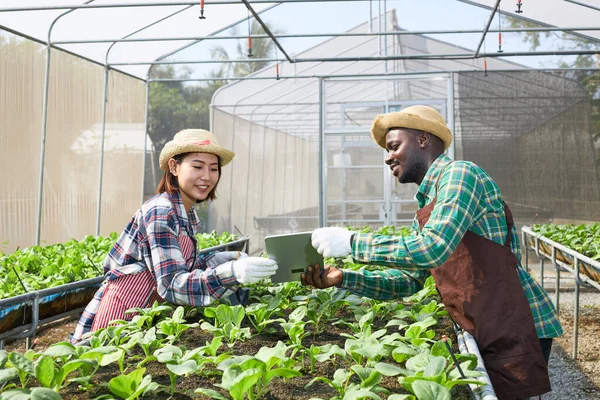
(482, 292)
(135, 291)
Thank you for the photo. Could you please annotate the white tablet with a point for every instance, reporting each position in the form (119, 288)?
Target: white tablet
(293, 253)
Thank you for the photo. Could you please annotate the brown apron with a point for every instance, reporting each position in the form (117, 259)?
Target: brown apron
(482, 292)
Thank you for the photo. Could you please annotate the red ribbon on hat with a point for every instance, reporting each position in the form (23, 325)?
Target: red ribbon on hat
(202, 143)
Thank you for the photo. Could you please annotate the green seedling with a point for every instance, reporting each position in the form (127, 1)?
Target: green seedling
(246, 376)
(345, 389)
(260, 314)
(174, 326)
(295, 327)
(132, 385)
(178, 362)
(227, 323)
(147, 316)
(38, 393)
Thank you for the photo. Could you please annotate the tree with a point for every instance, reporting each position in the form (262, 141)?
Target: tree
(261, 48)
(589, 80)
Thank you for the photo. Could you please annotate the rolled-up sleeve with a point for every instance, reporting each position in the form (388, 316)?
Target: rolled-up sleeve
(454, 212)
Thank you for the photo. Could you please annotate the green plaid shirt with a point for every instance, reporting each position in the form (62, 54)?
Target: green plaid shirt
(468, 199)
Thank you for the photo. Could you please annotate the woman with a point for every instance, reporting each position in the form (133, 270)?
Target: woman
(155, 257)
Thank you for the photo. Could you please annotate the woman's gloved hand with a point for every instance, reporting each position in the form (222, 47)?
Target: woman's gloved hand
(253, 269)
(223, 257)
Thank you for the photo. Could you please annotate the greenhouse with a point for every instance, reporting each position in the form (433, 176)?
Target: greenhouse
(92, 91)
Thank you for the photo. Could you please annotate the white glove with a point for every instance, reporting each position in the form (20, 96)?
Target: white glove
(253, 269)
(332, 242)
(222, 257)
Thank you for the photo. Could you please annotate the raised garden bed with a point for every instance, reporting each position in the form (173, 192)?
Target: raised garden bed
(291, 343)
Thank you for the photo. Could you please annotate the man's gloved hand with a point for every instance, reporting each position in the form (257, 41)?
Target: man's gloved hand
(253, 269)
(332, 242)
(222, 257)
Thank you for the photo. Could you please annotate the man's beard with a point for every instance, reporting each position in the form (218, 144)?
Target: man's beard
(415, 172)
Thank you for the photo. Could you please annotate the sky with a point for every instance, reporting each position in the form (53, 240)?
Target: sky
(322, 17)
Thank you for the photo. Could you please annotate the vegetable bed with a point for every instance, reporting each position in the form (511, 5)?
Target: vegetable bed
(43, 267)
(291, 343)
(583, 239)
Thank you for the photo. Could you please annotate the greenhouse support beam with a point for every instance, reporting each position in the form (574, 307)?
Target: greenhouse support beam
(451, 56)
(223, 29)
(163, 4)
(322, 155)
(331, 34)
(45, 123)
(487, 27)
(395, 75)
(102, 140)
(145, 137)
(266, 29)
(583, 4)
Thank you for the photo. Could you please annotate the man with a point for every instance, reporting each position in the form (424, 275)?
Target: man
(465, 237)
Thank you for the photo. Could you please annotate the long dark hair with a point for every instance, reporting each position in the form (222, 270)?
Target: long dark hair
(168, 182)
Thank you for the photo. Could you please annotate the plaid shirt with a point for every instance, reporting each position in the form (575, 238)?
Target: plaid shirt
(468, 199)
(151, 241)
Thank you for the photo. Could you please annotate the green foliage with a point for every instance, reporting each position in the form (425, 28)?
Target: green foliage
(132, 385)
(584, 239)
(41, 267)
(206, 240)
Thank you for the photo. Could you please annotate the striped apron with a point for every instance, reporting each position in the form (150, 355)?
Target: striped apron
(133, 291)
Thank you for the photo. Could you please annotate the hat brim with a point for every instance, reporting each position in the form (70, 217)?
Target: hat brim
(383, 123)
(172, 149)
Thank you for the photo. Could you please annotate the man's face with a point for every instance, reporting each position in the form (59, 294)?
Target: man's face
(405, 156)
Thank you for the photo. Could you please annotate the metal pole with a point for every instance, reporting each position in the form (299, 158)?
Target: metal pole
(576, 310)
(454, 56)
(583, 5)
(101, 167)
(145, 139)
(396, 75)
(487, 26)
(314, 35)
(450, 116)
(322, 157)
(180, 3)
(45, 123)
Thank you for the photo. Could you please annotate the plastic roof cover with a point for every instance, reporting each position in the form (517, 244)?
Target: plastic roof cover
(292, 17)
(291, 105)
(102, 23)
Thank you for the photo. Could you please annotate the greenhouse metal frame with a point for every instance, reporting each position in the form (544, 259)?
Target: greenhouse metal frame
(467, 55)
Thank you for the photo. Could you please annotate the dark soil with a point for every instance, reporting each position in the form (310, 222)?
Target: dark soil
(279, 389)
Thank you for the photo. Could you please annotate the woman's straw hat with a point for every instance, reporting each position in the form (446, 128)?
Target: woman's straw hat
(423, 118)
(194, 141)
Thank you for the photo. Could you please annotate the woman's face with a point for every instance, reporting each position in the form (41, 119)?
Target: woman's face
(197, 175)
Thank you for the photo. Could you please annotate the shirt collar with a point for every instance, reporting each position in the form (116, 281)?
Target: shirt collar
(189, 220)
(426, 189)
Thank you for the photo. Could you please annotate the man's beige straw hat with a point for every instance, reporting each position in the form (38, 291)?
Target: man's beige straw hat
(423, 118)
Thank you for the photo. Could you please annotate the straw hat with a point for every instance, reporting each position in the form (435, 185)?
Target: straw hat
(194, 141)
(423, 118)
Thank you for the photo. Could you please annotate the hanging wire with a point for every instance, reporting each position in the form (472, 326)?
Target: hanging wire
(202, 10)
(276, 63)
(485, 72)
(249, 38)
(499, 31)
(519, 7)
